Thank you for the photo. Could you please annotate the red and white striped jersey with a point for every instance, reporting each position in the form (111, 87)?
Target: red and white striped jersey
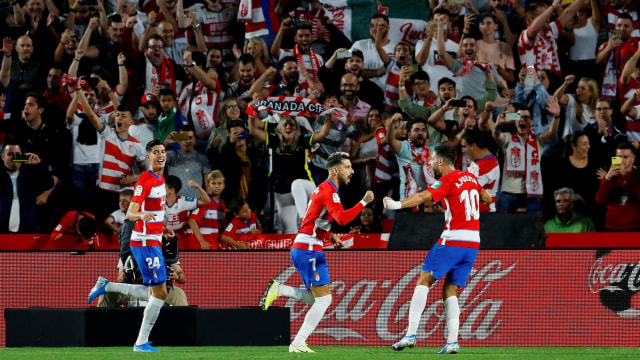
(487, 170)
(119, 158)
(210, 217)
(151, 194)
(386, 162)
(459, 192)
(541, 52)
(200, 107)
(610, 16)
(216, 29)
(324, 207)
(391, 91)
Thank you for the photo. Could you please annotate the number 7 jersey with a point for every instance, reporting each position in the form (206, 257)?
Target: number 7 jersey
(459, 192)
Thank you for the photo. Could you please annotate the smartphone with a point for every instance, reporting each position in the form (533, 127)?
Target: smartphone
(90, 2)
(414, 68)
(243, 135)
(180, 136)
(530, 69)
(616, 160)
(613, 33)
(512, 117)
(20, 158)
(456, 2)
(345, 54)
(459, 103)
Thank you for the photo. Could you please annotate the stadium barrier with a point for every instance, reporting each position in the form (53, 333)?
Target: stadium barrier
(543, 297)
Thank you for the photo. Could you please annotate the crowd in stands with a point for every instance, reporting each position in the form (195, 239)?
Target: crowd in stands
(540, 99)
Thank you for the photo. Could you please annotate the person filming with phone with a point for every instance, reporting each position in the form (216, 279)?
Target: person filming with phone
(620, 191)
(22, 180)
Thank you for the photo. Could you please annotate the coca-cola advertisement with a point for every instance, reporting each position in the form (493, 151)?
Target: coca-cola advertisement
(512, 298)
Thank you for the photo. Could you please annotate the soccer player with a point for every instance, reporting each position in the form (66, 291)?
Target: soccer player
(306, 252)
(456, 250)
(147, 210)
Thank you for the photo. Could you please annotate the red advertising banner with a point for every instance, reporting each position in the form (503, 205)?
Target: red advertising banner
(513, 298)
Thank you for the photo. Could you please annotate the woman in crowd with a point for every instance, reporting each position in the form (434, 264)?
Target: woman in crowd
(229, 110)
(581, 107)
(257, 48)
(366, 224)
(290, 176)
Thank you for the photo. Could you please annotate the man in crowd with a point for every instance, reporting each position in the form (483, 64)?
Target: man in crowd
(566, 219)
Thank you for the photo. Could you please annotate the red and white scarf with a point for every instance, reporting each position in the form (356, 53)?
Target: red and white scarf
(524, 160)
(165, 75)
(420, 156)
(313, 59)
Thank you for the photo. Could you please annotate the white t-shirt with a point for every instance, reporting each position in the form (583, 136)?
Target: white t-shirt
(435, 66)
(372, 58)
(14, 217)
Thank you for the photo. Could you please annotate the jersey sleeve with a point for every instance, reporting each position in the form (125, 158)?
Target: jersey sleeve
(337, 212)
(141, 190)
(439, 190)
(198, 213)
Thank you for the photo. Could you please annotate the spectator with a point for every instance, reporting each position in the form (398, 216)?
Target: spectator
(257, 48)
(178, 208)
(364, 152)
(521, 176)
(114, 222)
(620, 191)
(39, 19)
(21, 183)
(532, 91)
(302, 52)
(373, 63)
(174, 50)
(219, 27)
(583, 37)
(289, 177)
(413, 157)
(614, 8)
(566, 220)
(577, 169)
(242, 89)
(244, 163)
(401, 57)
(27, 73)
(538, 45)
(122, 151)
(353, 63)
(66, 50)
(484, 164)
(56, 94)
(206, 222)
(146, 127)
(386, 175)
(187, 164)
(631, 109)
(421, 107)
(358, 109)
(229, 110)
(366, 223)
(427, 50)
(170, 118)
(604, 135)
(215, 68)
(244, 221)
(109, 46)
(615, 53)
(629, 85)
(581, 108)
(510, 24)
(80, 223)
(291, 84)
(199, 99)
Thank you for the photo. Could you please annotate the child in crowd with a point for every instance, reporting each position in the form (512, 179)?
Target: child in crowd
(170, 119)
(244, 222)
(114, 221)
(178, 207)
(206, 221)
(79, 223)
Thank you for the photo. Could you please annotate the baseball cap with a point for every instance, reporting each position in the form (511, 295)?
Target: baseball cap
(148, 99)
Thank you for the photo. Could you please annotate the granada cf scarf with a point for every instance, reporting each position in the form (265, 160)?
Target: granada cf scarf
(524, 160)
(287, 105)
(166, 75)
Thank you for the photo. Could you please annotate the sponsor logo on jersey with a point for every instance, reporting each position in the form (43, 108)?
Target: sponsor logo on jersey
(138, 191)
(336, 198)
(436, 184)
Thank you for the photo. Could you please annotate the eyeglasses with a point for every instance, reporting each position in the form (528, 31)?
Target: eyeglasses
(232, 107)
(288, 124)
(155, 47)
(603, 109)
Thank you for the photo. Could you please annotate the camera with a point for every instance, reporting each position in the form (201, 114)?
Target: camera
(180, 136)
(512, 117)
(459, 103)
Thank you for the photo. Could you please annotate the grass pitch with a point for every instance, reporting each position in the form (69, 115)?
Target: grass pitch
(323, 352)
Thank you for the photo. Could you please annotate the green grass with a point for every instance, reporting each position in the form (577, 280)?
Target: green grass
(323, 352)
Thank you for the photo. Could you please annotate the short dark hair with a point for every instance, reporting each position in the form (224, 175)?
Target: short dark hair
(446, 80)
(381, 16)
(475, 136)
(187, 128)
(199, 58)
(115, 18)
(246, 59)
(624, 16)
(442, 10)
(152, 37)
(127, 108)
(358, 53)
(285, 60)
(419, 75)
(127, 192)
(152, 143)
(475, 103)
(166, 92)
(235, 123)
(626, 145)
(490, 15)
(446, 153)
(173, 182)
(304, 25)
(236, 204)
(336, 158)
(518, 107)
(87, 227)
(40, 100)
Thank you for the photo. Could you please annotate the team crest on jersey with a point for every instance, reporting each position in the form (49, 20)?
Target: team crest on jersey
(138, 191)
(336, 198)
(317, 276)
(436, 184)
(229, 228)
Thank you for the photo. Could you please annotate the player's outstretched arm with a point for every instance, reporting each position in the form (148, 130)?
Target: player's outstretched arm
(413, 200)
(342, 216)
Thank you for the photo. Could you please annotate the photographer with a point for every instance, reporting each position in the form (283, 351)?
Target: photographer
(129, 289)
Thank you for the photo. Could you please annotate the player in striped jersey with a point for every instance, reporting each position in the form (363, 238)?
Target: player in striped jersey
(307, 256)
(456, 250)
